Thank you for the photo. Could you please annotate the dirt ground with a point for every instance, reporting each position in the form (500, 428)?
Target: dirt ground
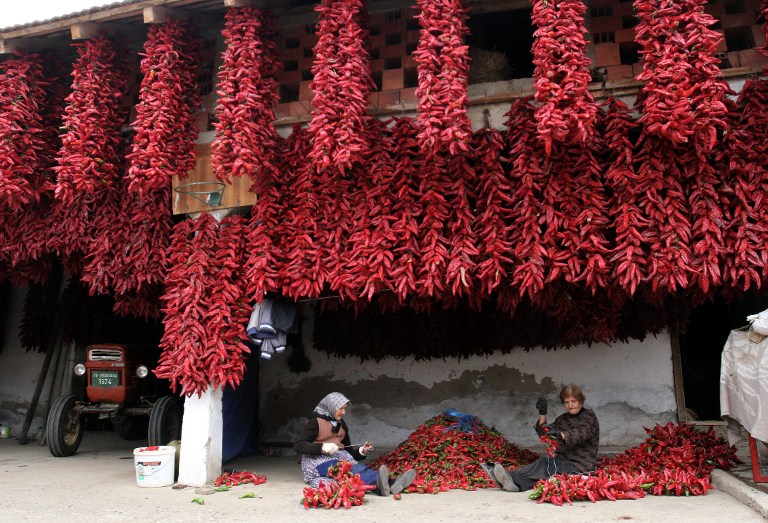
(99, 484)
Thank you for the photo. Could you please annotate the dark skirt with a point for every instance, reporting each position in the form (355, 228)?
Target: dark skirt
(544, 467)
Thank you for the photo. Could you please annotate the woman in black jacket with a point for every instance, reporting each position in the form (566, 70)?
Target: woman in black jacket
(325, 441)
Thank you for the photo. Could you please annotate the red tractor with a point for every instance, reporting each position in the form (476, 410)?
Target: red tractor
(119, 386)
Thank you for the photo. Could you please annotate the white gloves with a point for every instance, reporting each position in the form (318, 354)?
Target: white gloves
(366, 448)
(330, 448)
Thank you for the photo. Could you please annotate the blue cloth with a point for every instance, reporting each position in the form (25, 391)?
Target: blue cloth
(463, 422)
(239, 407)
(367, 474)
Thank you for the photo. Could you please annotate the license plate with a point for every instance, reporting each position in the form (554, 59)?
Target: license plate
(105, 378)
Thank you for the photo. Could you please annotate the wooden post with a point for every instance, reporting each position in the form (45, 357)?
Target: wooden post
(157, 14)
(8, 46)
(55, 279)
(84, 30)
(677, 374)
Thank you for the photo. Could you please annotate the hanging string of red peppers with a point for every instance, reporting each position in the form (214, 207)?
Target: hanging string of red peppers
(628, 257)
(446, 240)
(163, 147)
(21, 130)
(368, 261)
(566, 112)
(340, 134)
(91, 161)
(246, 141)
(406, 209)
(204, 305)
(682, 106)
(90, 157)
(419, 208)
(165, 126)
(530, 255)
(37, 86)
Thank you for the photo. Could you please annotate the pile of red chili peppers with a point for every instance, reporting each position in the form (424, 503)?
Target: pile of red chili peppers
(346, 490)
(447, 458)
(675, 460)
(231, 479)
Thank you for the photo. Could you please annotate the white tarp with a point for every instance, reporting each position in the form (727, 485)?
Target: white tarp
(744, 386)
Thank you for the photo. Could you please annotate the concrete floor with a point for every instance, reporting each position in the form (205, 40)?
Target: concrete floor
(99, 484)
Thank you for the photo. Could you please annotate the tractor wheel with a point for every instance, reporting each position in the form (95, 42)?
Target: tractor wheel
(130, 427)
(64, 428)
(165, 421)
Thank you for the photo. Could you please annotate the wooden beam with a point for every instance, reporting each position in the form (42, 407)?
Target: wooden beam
(54, 26)
(158, 14)
(30, 45)
(262, 4)
(677, 375)
(85, 30)
(238, 3)
(9, 46)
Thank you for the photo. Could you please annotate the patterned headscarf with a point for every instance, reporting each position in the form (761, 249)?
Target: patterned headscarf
(331, 403)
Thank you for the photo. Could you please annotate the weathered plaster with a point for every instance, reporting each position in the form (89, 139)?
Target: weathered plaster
(19, 372)
(629, 385)
(201, 438)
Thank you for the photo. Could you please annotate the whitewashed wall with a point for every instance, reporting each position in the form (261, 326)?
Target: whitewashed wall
(19, 372)
(628, 385)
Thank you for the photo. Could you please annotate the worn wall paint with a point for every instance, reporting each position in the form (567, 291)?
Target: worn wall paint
(19, 372)
(201, 439)
(629, 385)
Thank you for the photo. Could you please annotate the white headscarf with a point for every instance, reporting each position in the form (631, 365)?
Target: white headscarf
(331, 403)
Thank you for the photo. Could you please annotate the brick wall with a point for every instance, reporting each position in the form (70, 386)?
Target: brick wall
(395, 35)
(611, 25)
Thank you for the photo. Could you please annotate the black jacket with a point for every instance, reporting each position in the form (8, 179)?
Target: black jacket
(307, 444)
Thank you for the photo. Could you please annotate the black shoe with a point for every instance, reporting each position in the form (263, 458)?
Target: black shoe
(382, 480)
(489, 471)
(402, 481)
(501, 475)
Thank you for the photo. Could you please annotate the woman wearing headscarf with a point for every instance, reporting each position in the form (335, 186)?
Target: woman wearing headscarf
(325, 441)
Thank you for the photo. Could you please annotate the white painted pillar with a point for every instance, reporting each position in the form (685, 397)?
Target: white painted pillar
(201, 436)
(202, 427)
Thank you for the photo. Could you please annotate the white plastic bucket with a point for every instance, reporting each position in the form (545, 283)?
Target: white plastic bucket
(154, 468)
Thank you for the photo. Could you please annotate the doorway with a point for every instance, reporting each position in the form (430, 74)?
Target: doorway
(701, 346)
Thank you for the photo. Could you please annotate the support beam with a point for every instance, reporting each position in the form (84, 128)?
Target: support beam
(30, 45)
(9, 46)
(85, 30)
(158, 14)
(201, 439)
(238, 3)
(677, 374)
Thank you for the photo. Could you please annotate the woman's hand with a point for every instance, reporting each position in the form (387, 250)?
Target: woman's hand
(366, 449)
(330, 448)
(541, 405)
